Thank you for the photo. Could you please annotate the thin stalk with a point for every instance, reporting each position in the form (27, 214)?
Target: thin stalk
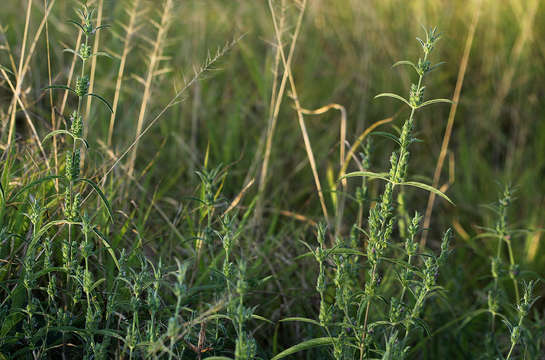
(94, 59)
(450, 122)
(71, 73)
(53, 116)
(417, 305)
(512, 263)
(276, 99)
(131, 28)
(403, 290)
(300, 117)
(154, 60)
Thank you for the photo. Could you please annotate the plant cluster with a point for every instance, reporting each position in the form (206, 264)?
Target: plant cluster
(83, 281)
(67, 293)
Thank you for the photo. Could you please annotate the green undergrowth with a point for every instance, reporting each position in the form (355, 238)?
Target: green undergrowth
(119, 244)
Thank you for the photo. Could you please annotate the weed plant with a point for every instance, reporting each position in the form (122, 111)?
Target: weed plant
(86, 272)
(399, 278)
(68, 294)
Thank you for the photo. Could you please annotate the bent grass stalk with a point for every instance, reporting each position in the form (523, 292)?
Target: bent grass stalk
(298, 109)
(450, 121)
(130, 31)
(154, 59)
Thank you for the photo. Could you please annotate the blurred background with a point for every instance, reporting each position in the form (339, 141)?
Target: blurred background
(343, 55)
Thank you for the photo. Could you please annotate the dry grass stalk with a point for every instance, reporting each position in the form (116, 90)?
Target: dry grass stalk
(277, 96)
(450, 122)
(298, 108)
(130, 30)
(24, 65)
(154, 60)
(94, 58)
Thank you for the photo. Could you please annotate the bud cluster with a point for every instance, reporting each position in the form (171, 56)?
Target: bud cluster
(82, 86)
(416, 95)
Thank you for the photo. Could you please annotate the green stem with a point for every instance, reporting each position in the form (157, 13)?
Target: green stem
(510, 351)
(405, 287)
(388, 193)
(512, 263)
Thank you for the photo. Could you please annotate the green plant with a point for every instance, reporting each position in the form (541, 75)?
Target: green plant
(350, 328)
(512, 312)
(302, 261)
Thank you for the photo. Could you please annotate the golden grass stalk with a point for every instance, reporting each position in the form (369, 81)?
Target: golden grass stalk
(154, 59)
(450, 122)
(277, 95)
(527, 25)
(53, 116)
(94, 58)
(71, 73)
(130, 30)
(24, 64)
(298, 107)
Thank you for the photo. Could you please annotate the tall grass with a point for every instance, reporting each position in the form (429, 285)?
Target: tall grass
(221, 211)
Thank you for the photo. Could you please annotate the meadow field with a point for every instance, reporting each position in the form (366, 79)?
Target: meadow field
(272, 179)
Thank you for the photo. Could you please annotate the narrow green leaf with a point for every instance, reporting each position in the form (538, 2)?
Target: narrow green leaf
(102, 53)
(73, 52)
(368, 174)
(101, 194)
(258, 317)
(12, 319)
(301, 319)
(347, 251)
(60, 87)
(421, 323)
(427, 188)
(435, 101)
(303, 256)
(395, 96)
(83, 141)
(97, 283)
(387, 135)
(109, 333)
(46, 227)
(103, 100)
(57, 132)
(107, 245)
(406, 62)
(305, 345)
(32, 184)
(218, 358)
(6, 70)
(101, 27)
(437, 65)
(77, 24)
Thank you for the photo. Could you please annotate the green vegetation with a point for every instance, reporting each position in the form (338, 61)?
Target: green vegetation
(175, 185)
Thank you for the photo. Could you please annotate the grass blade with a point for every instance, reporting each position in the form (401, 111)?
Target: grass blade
(395, 96)
(428, 188)
(100, 193)
(107, 245)
(305, 345)
(34, 183)
(435, 101)
(406, 62)
(60, 87)
(368, 174)
(103, 101)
